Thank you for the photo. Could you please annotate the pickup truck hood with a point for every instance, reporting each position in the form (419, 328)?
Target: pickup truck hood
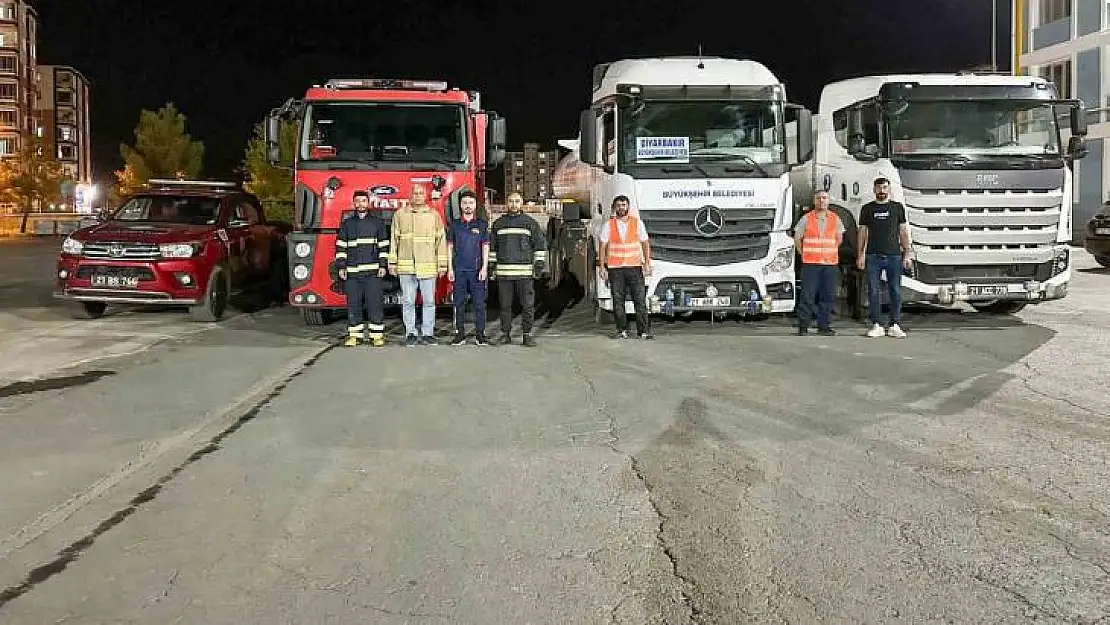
(155, 233)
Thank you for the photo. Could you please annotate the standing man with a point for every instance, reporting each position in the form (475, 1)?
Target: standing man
(626, 254)
(418, 255)
(818, 235)
(359, 248)
(468, 267)
(519, 249)
(884, 245)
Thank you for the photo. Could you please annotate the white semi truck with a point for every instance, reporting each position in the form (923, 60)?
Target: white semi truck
(699, 146)
(979, 163)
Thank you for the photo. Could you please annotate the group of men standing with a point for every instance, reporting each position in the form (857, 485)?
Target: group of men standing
(883, 249)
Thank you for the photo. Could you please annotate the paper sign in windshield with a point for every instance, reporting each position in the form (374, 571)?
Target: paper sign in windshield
(662, 149)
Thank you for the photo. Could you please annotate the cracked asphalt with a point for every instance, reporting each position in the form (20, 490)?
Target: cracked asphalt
(725, 474)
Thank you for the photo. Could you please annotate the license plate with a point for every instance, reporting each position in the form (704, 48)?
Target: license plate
(987, 291)
(1105, 231)
(709, 302)
(392, 299)
(116, 282)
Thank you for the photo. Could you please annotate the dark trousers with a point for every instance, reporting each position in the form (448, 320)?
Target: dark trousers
(365, 309)
(509, 290)
(875, 264)
(818, 294)
(467, 285)
(625, 282)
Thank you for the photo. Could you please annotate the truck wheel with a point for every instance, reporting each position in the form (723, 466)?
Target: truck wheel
(999, 308)
(93, 310)
(214, 304)
(315, 316)
(1103, 260)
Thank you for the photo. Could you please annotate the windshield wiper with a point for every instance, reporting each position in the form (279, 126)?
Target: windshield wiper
(686, 169)
(349, 163)
(752, 164)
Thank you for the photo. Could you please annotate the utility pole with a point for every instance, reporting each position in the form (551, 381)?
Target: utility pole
(994, 35)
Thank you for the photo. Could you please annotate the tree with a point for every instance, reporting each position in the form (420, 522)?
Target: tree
(162, 150)
(32, 178)
(273, 185)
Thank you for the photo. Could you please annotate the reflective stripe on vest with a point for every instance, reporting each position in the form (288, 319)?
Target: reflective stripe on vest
(625, 251)
(820, 248)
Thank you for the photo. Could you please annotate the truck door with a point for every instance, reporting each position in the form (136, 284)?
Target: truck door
(241, 243)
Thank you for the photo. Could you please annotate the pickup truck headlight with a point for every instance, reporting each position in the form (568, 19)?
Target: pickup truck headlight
(782, 261)
(72, 246)
(178, 250)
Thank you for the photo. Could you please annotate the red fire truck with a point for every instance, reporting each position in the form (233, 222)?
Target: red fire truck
(380, 136)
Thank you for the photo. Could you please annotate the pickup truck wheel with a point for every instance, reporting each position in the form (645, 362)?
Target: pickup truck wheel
(214, 304)
(1103, 260)
(278, 285)
(999, 308)
(315, 316)
(93, 310)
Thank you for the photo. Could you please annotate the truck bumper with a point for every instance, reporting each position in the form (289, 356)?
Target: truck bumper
(740, 288)
(1029, 291)
(123, 297)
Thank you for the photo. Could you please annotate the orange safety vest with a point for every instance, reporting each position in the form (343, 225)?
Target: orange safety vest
(625, 251)
(820, 248)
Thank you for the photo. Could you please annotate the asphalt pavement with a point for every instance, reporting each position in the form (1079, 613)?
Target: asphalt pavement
(254, 472)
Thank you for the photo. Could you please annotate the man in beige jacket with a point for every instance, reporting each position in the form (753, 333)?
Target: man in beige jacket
(418, 254)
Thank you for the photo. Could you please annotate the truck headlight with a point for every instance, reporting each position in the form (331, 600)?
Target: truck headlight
(782, 261)
(302, 249)
(72, 246)
(300, 272)
(178, 250)
(1060, 263)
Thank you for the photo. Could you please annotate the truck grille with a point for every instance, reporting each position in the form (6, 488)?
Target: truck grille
(746, 236)
(121, 251)
(982, 274)
(962, 220)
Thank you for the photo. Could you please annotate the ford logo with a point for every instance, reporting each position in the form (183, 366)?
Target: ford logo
(383, 189)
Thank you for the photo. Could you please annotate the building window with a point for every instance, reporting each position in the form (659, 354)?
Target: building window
(1060, 75)
(67, 152)
(7, 12)
(7, 91)
(7, 119)
(65, 133)
(2, 42)
(65, 97)
(1054, 10)
(8, 64)
(7, 147)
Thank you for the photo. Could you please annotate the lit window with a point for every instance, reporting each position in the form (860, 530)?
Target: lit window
(7, 147)
(7, 12)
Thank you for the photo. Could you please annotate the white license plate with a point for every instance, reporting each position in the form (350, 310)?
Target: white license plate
(1105, 231)
(709, 302)
(115, 282)
(393, 299)
(987, 291)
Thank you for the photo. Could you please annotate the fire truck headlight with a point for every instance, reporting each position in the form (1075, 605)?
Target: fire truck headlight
(300, 272)
(302, 249)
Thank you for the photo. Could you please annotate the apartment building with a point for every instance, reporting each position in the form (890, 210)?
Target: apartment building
(1068, 42)
(64, 116)
(529, 172)
(18, 81)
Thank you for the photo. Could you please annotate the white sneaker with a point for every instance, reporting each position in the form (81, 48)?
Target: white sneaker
(895, 332)
(876, 331)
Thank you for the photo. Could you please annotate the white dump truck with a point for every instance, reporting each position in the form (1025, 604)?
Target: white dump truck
(699, 146)
(980, 164)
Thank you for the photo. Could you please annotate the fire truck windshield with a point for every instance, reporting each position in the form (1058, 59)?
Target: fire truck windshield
(385, 135)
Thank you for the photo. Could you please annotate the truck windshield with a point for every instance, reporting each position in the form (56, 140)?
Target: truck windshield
(997, 127)
(744, 136)
(191, 210)
(405, 135)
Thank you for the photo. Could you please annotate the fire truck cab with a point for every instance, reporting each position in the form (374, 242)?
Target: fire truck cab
(381, 136)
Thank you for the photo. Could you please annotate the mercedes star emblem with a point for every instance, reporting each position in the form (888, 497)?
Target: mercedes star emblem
(709, 221)
(116, 250)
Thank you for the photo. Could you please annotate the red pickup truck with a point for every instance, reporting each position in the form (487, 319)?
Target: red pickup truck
(177, 242)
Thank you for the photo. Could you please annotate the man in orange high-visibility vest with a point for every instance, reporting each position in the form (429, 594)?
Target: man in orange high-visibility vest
(818, 235)
(626, 261)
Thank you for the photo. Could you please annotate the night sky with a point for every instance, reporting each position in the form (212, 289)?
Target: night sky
(225, 63)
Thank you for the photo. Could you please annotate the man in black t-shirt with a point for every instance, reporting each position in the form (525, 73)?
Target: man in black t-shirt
(884, 245)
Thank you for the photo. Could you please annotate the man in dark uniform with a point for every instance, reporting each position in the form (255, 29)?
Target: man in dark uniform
(518, 247)
(359, 248)
(468, 267)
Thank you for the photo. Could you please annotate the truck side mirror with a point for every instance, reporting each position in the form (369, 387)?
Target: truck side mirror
(1077, 147)
(1078, 120)
(587, 143)
(273, 139)
(805, 135)
(498, 137)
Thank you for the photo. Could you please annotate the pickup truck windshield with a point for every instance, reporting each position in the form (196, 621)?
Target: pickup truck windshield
(744, 134)
(408, 134)
(991, 127)
(189, 210)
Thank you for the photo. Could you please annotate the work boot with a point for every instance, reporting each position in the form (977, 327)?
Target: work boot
(529, 341)
(429, 340)
(621, 334)
(480, 339)
(460, 339)
(411, 340)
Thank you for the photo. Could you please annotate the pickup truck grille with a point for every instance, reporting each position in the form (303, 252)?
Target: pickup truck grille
(121, 251)
(746, 236)
(961, 220)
